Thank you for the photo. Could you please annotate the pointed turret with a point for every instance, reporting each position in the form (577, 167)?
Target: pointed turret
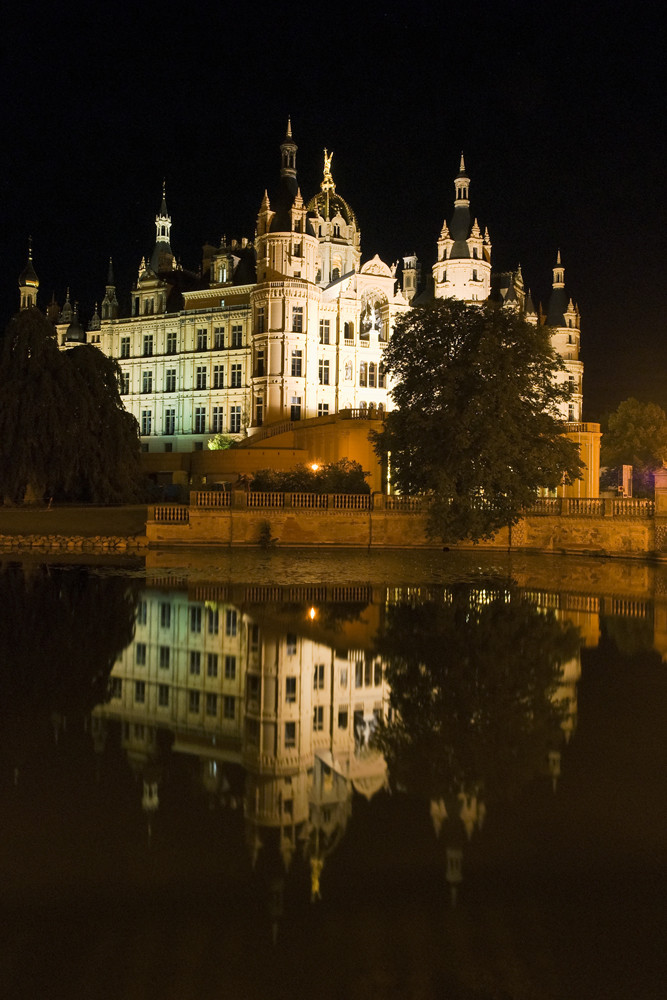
(558, 300)
(28, 282)
(162, 259)
(110, 302)
(66, 311)
(288, 149)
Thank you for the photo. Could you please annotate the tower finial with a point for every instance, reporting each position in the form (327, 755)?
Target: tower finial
(288, 133)
(462, 166)
(558, 257)
(327, 179)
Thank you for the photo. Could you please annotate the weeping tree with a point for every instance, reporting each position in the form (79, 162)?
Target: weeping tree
(64, 431)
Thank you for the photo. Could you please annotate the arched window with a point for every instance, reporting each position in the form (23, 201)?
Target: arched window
(335, 274)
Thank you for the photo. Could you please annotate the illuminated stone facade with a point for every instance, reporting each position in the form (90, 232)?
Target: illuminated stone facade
(290, 325)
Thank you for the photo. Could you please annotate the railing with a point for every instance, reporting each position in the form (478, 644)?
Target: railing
(311, 501)
(172, 513)
(272, 430)
(625, 507)
(404, 503)
(210, 498)
(367, 413)
(582, 507)
(265, 500)
(350, 501)
(544, 506)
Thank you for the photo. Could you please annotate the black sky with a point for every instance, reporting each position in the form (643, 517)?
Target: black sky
(559, 109)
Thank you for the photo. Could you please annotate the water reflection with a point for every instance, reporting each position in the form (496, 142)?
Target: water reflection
(292, 757)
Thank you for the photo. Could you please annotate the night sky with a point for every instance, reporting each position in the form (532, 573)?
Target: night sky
(559, 110)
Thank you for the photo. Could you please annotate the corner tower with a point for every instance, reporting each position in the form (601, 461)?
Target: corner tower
(563, 318)
(463, 268)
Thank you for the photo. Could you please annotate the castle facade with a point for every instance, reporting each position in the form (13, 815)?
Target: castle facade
(289, 326)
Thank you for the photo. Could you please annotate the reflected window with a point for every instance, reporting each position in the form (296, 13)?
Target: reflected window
(318, 718)
(115, 687)
(211, 704)
(195, 662)
(164, 657)
(212, 665)
(213, 621)
(195, 619)
(342, 718)
(290, 689)
(342, 677)
(163, 695)
(165, 615)
(140, 654)
(318, 677)
(231, 620)
(140, 692)
(193, 701)
(290, 735)
(230, 668)
(142, 612)
(229, 707)
(291, 644)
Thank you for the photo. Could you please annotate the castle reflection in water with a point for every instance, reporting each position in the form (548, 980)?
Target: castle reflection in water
(276, 693)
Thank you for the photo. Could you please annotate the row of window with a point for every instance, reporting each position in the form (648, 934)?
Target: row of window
(199, 421)
(196, 618)
(201, 379)
(194, 699)
(195, 662)
(371, 375)
(203, 341)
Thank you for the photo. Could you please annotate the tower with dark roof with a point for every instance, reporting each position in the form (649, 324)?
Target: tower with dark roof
(562, 316)
(463, 268)
(28, 282)
(162, 259)
(110, 302)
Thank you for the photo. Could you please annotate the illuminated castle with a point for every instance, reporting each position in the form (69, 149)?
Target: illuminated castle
(289, 328)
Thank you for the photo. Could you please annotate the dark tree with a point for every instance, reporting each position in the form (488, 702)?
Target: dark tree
(344, 476)
(64, 431)
(476, 429)
(636, 435)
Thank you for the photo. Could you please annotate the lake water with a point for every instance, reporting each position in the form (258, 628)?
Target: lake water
(335, 774)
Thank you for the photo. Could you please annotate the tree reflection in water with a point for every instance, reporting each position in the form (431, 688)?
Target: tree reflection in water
(473, 683)
(61, 630)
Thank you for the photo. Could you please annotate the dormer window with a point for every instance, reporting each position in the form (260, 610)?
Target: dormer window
(336, 230)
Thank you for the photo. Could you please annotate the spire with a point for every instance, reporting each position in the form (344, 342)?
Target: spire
(460, 226)
(558, 300)
(28, 281)
(110, 302)
(162, 258)
(288, 149)
(559, 273)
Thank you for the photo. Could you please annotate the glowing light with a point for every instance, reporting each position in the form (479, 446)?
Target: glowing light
(312, 614)
(314, 466)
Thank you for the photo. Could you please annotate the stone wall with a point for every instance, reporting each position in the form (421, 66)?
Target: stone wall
(596, 535)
